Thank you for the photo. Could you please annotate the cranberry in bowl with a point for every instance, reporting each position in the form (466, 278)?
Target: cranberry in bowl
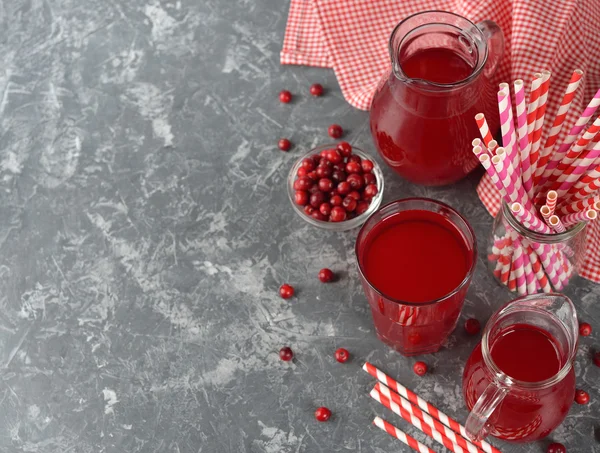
(335, 187)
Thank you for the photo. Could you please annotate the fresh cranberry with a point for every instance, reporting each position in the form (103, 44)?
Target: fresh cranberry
(301, 197)
(322, 414)
(313, 175)
(334, 156)
(286, 354)
(338, 176)
(308, 209)
(316, 199)
(342, 355)
(308, 164)
(316, 158)
(285, 96)
(355, 180)
(324, 171)
(353, 167)
(585, 330)
(367, 166)
(335, 131)
(326, 275)
(326, 162)
(361, 207)
(333, 192)
(597, 358)
(369, 179)
(420, 368)
(316, 89)
(581, 397)
(303, 183)
(370, 191)
(344, 188)
(325, 209)
(336, 200)
(555, 447)
(314, 189)
(472, 326)
(355, 194)
(338, 214)
(318, 216)
(284, 144)
(323, 152)
(354, 158)
(325, 184)
(349, 203)
(302, 172)
(286, 291)
(344, 148)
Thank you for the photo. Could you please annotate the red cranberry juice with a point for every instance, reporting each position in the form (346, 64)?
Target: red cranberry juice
(529, 354)
(416, 257)
(424, 133)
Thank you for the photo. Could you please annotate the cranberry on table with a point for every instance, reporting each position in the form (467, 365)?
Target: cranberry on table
(325, 184)
(286, 291)
(472, 326)
(369, 178)
(367, 165)
(285, 96)
(361, 207)
(344, 188)
(342, 355)
(303, 183)
(284, 144)
(338, 214)
(556, 447)
(316, 89)
(325, 209)
(597, 358)
(349, 203)
(286, 354)
(335, 131)
(585, 330)
(355, 180)
(353, 167)
(316, 199)
(326, 275)
(322, 414)
(344, 148)
(420, 368)
(336, 200)
(301, 197)
(370, 191)
(581, 396)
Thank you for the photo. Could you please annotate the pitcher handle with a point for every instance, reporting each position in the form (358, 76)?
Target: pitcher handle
(495, 42)
(477, 425)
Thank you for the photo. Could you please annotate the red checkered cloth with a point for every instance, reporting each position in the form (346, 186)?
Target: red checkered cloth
(352, 39)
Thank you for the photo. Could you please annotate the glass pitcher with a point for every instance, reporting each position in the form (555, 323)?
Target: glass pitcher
(422, 115)
(501, 384)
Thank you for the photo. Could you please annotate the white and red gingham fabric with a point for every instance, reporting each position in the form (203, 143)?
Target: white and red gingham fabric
(351, 37)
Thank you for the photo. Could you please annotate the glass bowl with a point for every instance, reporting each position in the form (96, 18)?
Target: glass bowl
(346, 224)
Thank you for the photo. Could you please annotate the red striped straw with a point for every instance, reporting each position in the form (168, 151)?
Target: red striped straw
(586, 185)
(559, 121)
(401, 435)
(484, 129)
(519, 267)
(572, 174)
(555, 223)
(424, 405)
(532, 283)
(582, 216)
(425, 417)
(580, 205)
(433, 433)
(512, 281)
(551, 199)
(534, 95)
(537, 268)
(491, 170)
(539, 120)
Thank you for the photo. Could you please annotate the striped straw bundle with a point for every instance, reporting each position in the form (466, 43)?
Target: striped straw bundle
(549, 187)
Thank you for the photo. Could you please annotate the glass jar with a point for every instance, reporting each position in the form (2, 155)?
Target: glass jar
(528, 262)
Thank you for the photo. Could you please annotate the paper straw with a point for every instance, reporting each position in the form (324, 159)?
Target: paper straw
(491, 170)
(580, 205)
(436, 435)
(529, 220)
(551, 199)
(582, 216)
(546, 213)
(401, 435)
(524, 145)
(537, 268)
(513, 174)
(587, 185)
(519, 269)
(555, 223)
(532, 283)
(484, 129)
(478, 151)
(571, 175)
(559, 121)
(492, 147)
(512, 281)
(534, 94)
(507, 125)
(539, 120)
(424, 405)
(425, 417)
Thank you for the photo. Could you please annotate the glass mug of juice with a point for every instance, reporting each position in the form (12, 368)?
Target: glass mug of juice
(422, 115)
(416, 258)
(519, 381)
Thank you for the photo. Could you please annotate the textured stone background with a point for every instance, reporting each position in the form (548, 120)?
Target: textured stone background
(144, 231)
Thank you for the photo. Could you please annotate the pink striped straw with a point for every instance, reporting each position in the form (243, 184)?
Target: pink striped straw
(394, 398)
(573, 134)
(514, 175)
(556, 224)
(546, 213)
(401, 436)
(528, 219)
(551, 199)
(424, 405)
(484, 129)
(507, 125)
(588, 189)
(524, 145)
(534, 95)
(559, 121)
(436, 435)
(582, 216)
(532, 283)
(493, 146)
(538, 270)
(539, 120)
(580, 205)
(585, 186)
(491, 170)
(572, 174)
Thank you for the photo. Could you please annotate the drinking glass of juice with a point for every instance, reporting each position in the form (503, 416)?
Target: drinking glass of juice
(519, 381)
(416, 258)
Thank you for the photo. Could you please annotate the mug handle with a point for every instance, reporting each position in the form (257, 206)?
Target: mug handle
(477, 425)
(495, 42)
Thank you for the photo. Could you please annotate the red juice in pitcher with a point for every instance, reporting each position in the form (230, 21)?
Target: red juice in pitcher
(416, 265)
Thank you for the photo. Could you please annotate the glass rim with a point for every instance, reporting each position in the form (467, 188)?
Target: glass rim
(543, 238)
(393, 51)
(459, 287)
(505, 378)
